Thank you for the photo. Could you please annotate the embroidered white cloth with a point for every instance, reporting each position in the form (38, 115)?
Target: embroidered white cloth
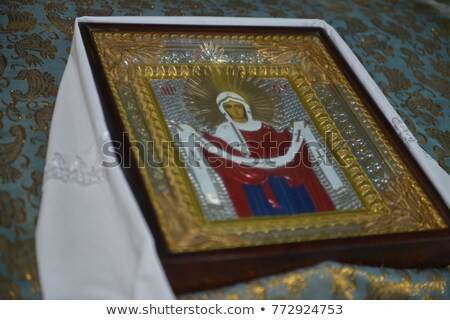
(92, 240)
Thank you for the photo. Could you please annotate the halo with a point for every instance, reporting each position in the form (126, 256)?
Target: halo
(200, 93)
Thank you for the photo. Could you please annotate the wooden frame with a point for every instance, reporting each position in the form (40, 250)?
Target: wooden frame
(395, 217)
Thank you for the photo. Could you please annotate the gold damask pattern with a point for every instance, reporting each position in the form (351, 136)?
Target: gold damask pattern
(409, 37)
(9, 152)
(338, 281)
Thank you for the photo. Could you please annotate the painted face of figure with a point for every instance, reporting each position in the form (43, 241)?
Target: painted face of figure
(236, 111)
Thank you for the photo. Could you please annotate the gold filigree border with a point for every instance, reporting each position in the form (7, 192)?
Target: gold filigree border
(267, 228)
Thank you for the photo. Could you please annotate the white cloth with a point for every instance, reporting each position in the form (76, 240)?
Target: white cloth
(92, 240)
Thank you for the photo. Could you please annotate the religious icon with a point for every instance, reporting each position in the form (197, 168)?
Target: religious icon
(253, 150)
(241, 166)
(264, 171)
(256, 139)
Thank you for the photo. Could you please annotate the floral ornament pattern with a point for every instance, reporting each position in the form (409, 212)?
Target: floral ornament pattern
(314, 65)
(402, 44)
(11, 210)
(338, 281)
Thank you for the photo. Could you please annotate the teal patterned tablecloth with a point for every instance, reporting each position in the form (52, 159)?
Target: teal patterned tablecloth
(404, 45)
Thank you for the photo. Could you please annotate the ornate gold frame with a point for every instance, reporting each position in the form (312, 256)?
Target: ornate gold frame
(130, 60)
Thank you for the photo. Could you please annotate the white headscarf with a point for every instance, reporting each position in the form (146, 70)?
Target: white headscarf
(229, 130)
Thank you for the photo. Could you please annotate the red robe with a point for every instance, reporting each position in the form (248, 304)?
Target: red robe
(266, 143)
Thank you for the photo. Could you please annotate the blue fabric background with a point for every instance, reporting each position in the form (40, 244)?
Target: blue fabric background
(403, 44)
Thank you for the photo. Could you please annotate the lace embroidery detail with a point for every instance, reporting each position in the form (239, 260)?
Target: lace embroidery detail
(76, 171)
(403, 130)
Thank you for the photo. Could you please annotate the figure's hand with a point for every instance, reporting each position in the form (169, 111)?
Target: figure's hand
(303, 124)
(291, 126)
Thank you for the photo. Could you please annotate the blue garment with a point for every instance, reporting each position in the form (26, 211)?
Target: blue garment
(290, 200)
